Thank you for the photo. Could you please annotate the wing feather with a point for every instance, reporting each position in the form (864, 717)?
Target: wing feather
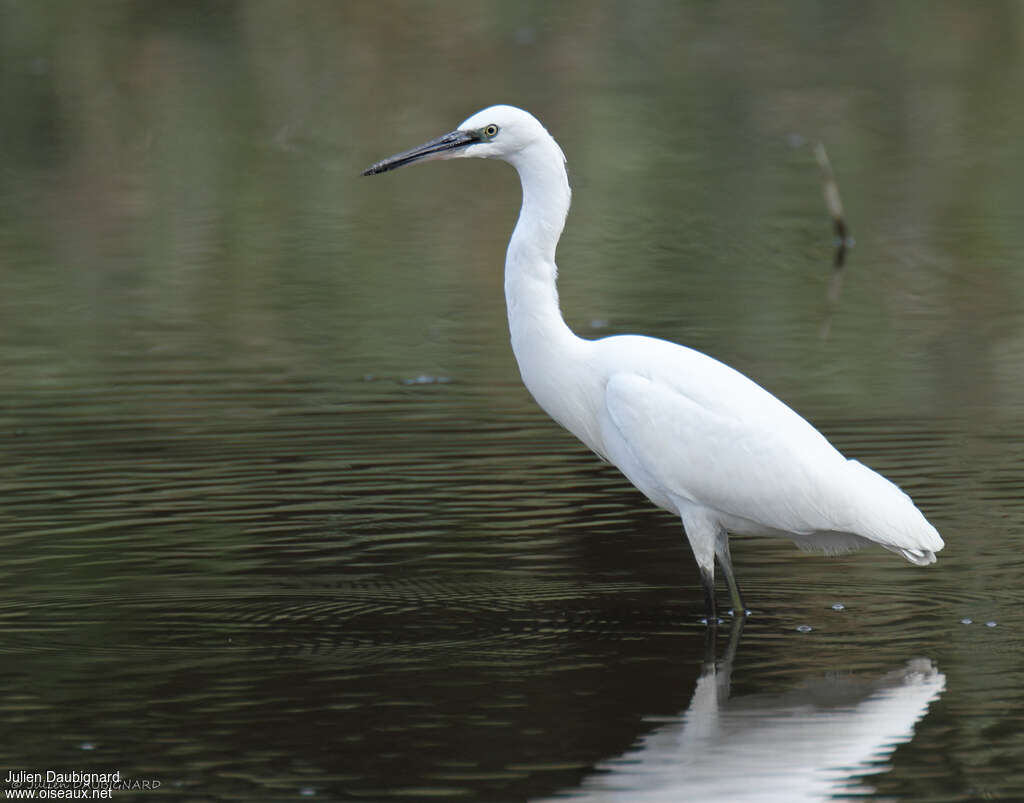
(753, 459)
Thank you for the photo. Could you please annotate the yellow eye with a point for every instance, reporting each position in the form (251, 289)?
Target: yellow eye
(490, 131)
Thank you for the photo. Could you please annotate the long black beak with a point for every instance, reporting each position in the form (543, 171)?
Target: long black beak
(428, 150)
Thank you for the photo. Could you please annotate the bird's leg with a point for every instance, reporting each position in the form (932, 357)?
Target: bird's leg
(701, 532)
(725, 561)
(707, 580)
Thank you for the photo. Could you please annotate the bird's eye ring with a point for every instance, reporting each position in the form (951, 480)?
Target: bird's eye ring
(490, 131)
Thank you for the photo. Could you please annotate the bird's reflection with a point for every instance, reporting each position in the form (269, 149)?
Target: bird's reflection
(805, 745)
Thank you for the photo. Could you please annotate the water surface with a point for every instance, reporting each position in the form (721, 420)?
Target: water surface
(280, 521)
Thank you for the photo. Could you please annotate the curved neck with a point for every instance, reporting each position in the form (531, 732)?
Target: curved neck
(530, 271)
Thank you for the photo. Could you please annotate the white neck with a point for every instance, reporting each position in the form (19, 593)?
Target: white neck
(535, 321)
(552, 360)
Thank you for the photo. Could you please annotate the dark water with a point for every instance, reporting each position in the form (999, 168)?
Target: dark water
(278, 519)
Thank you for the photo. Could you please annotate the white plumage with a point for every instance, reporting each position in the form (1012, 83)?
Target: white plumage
(695, 436)
(812, 744)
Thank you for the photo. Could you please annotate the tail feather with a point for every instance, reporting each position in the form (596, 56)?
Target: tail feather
(917, 556)
(881, 512)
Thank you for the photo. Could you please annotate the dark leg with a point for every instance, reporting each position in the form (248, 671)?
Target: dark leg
(702, 531)
(707, 580)
(725, 561)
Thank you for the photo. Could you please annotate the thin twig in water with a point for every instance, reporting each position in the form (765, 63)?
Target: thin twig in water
(843, 240)
(835, 208)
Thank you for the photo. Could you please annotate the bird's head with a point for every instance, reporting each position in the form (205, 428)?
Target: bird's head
(497, 132)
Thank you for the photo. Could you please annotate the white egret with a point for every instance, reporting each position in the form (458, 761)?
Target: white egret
(698, 438)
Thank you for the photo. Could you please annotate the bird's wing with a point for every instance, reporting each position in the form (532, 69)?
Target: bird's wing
(728, 445)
